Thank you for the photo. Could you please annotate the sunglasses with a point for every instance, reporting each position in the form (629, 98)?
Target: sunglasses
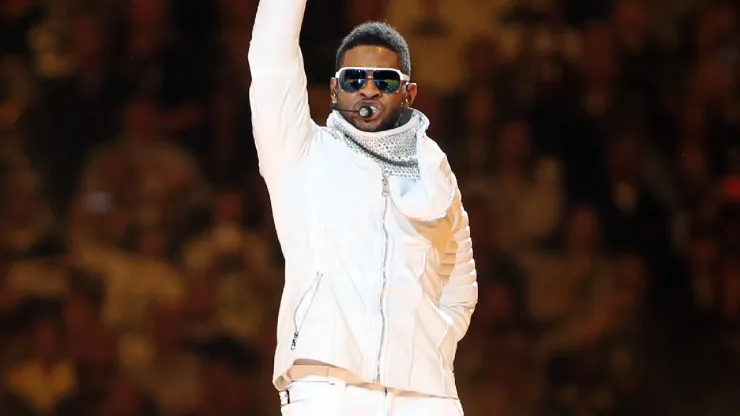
(387, 80)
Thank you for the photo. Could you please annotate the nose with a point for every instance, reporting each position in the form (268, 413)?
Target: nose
(370, 90)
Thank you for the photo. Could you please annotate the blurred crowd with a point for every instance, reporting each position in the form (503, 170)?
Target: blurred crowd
(597, 147)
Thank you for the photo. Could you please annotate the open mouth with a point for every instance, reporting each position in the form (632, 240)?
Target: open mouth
(375, 116)
(378, 109)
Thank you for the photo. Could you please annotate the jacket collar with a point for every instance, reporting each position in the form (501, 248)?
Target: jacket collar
(432, 195)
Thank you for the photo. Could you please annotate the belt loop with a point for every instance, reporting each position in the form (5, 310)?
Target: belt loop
(338, 377)
(285, 397)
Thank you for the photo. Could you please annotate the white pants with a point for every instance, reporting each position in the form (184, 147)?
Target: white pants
(327, 396)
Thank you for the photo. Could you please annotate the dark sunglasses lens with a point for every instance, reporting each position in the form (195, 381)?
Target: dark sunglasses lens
(352, 80)
(387, 81)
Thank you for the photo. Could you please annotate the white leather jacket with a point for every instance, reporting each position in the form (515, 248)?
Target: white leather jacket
(379, 278)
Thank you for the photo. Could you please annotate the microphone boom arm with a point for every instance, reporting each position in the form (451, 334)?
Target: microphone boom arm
(366, 111)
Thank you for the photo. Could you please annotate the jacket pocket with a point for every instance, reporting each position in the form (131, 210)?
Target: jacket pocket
(303, 307)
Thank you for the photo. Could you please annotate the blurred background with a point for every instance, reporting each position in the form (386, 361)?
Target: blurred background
(596, 143)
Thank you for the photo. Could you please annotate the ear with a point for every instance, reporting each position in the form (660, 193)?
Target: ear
(333, 90)
(411, 90)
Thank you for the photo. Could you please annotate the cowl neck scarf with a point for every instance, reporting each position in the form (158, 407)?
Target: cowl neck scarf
(394, 150)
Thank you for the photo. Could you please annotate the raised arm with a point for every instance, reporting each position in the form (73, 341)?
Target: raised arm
(281, 117)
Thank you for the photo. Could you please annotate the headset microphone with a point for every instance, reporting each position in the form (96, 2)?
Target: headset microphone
(366, 111)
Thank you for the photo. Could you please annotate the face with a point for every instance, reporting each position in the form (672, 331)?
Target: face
(389, 104)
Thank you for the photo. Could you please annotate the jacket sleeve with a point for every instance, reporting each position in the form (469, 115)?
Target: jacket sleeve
(278, 95)
(457, 268)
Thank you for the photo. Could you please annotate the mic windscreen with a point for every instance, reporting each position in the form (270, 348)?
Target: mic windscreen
(366, 111)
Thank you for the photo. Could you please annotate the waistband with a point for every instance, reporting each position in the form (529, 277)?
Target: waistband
(300, 371)
(313, 371)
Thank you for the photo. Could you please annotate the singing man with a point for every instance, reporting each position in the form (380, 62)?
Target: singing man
(380, 281)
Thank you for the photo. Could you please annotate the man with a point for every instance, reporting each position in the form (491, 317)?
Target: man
(380, 281)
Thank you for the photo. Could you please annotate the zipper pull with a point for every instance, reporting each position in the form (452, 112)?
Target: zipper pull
(385, 184)
(295, 339)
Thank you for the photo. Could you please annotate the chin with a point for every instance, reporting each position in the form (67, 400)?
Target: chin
(367, 127)
(375, 125)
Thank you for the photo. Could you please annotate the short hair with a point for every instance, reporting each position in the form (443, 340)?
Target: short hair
(377, 34)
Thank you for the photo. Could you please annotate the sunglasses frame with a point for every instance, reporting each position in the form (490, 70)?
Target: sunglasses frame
(369, 71)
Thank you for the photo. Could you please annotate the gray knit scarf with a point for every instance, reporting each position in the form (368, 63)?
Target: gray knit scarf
(394, 150)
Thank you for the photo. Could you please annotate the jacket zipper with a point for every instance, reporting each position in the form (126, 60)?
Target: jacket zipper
(299, 325)
(384, 276)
